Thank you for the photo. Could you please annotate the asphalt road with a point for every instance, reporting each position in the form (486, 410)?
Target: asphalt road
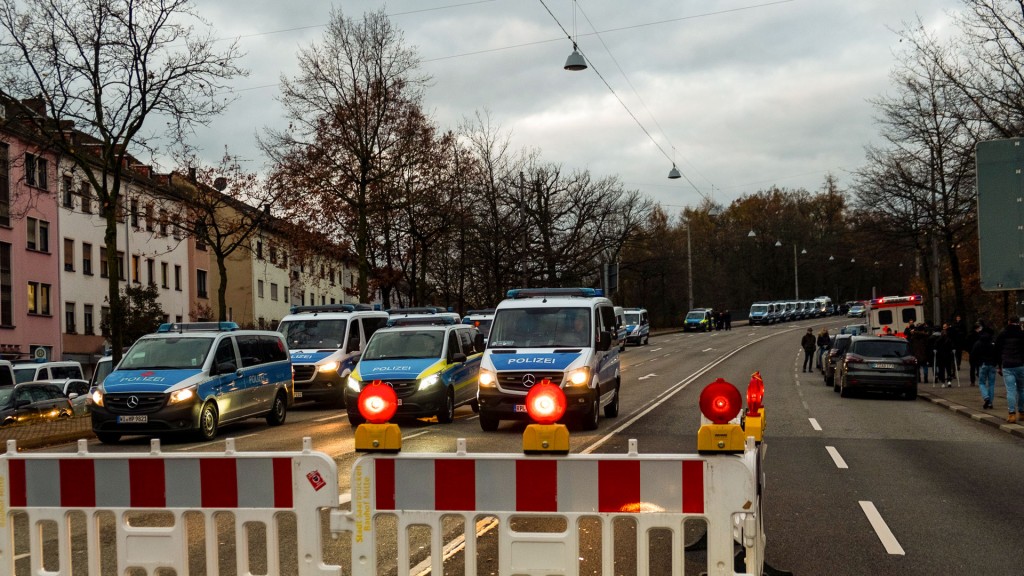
(854, 486)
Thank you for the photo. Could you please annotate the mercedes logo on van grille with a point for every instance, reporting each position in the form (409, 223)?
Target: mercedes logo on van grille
(133, 402)
(529, 380)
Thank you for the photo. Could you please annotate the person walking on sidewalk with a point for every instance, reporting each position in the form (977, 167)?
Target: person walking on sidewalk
(824, 341)
(983, 356)
(1010, 352)
(808, 342)
(919, 346)
(944, 362)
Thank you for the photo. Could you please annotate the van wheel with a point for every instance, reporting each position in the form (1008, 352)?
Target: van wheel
(475, 406)
(278, 411)
(108, 437)
(207, 422)
(589, 419)
(446, 415)
(488, 422)
(611, 410)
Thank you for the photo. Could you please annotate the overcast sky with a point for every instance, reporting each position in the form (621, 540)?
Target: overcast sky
(741, 94)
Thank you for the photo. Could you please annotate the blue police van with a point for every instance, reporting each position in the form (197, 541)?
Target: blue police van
(193, 378)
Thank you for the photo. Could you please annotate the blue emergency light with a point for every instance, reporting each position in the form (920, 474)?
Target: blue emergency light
(549, 292)
(197, 327)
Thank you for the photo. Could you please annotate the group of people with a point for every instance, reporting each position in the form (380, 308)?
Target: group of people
(722, 319)
(943, 348)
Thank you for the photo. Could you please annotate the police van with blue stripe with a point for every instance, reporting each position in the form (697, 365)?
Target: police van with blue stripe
(325, 343)
(563, 335)
(429, 359)
(194, 378)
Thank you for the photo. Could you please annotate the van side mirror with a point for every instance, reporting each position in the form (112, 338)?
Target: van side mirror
(353, 345)
(226, 368)
(458, 357)
(604, 341)
(478, 342)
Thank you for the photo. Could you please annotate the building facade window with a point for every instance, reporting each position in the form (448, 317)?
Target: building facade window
(273, 291)
(38, 235)
(85, 191)
(120, 265)
(87, 325)
(136, 264)
(201, 283)
(6, 286)
(69, 318)
(38, 299)
(105, 319)
(149, 218)
(151, 271)
(259, 288)
(163, 275)
(134, 208)
(163, 222)
(35, 171)
(5, 185)
(104, 266)
(69, 255)
(67, 191)
(177, 277)
(86, 259)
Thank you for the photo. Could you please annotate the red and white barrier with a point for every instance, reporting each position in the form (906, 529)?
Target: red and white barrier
(252, 487)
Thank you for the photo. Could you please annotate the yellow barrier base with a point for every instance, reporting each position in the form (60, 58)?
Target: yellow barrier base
(378, 438)
(546, 439)
(720, 438)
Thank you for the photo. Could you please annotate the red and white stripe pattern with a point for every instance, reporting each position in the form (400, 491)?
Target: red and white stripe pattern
(566, 485)
(151, 482)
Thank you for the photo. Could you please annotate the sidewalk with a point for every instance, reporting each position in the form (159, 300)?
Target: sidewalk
(966, 400)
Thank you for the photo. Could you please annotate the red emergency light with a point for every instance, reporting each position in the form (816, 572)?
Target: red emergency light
(377, 402)
(545, 403)
(755, 395)
(720, 402)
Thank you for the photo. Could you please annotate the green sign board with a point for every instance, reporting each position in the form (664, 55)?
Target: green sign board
(1000, 166)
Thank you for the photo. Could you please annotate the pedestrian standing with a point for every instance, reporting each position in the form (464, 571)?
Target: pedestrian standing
(958, 334)
(975, 362)
(727, 317)
(824, 342)
(808, 342)
(1010, 352)
(919, 346)
(983, 355)
(944, 361)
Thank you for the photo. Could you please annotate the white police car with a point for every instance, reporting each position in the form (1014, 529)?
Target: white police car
(429, 360)
(563, 335)
(325, 342)
(194, 378)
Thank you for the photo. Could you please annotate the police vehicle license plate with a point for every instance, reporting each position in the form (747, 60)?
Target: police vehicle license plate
(298, 394)
(133, 419)
(520, 407)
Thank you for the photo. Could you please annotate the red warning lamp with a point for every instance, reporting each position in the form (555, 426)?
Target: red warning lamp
(545, 403)
(720, 401)
(755, 395)
(378, 402)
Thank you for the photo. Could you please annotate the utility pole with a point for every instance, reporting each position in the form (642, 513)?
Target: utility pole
(689, 267)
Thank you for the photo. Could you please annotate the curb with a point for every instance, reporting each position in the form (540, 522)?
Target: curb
(978, 416)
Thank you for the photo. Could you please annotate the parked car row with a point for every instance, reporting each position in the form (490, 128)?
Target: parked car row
(772, 312)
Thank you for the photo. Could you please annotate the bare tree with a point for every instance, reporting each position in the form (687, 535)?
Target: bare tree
(354, 107)
(97, 72)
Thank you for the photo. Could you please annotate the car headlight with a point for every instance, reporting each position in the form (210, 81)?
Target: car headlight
(354, 385)
(487, 378)
(97, 397)
(182, 395)
(331, 366)
(429, 381)
(578, 377)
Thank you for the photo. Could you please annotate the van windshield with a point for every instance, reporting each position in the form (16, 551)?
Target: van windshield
(167, 354)
(759, 308)
(560, 327)
(314, 333)
(26, 374)
(632, 318)
(695, 316)
(404, 344)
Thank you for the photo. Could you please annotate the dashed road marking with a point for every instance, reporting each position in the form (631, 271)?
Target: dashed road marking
(814, 424)
(892, 546)
(836, 457)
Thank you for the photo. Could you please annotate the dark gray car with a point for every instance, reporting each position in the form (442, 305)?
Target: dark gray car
(878, 364)
(30, 402)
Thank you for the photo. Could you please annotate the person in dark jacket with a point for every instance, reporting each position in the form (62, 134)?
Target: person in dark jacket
(919, 346)
(1010, 352)
(824, 342)
(807, 342)
(983, 355)
(975, 364)
(958, 334)
(944, 362)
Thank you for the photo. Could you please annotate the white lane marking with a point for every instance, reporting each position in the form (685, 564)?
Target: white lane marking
(814, 424)
(892, 546)
(652, 375)
(415, 434)
(836, 457)
(335, 417)
(707, 349)
(655, 349)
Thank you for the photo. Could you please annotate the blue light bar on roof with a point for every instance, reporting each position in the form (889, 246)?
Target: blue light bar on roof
(549, 292)
(197, 327)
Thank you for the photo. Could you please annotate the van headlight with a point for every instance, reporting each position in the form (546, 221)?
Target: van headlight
(487, 378)
(182, 395)
(97, 396)
(578, 377)
(354, 385)
(331, 366)
(429, 381)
